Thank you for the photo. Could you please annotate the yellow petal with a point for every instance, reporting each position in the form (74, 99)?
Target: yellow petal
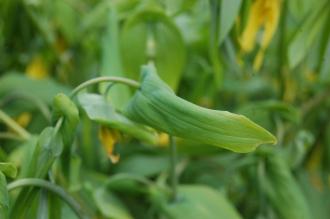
(254, 22)
(37, 68)
(272, 13)
(108, 140)
(24, 119)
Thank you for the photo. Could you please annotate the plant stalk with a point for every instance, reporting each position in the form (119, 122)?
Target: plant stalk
(50, 187)
(14, 126)
(173, 176)
(97, 80)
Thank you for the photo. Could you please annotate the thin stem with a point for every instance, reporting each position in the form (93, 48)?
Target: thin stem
(14, 126)
(124, 176)
(11, 136)
(50, 187)
(173, 176)
(114, 79)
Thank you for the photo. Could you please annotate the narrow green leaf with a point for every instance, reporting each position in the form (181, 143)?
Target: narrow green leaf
(229, 11)
(111, 62)
(156, 105)
(101, 111)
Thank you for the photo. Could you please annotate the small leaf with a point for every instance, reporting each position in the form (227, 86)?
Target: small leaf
(8, 169)
(156, 105)
(99, 110)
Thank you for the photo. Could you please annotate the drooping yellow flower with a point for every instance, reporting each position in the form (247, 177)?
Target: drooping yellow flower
(37, 68)
(263, 14)
(109, 138)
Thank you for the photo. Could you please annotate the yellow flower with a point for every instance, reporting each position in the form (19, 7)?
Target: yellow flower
(263, 14)
(109, 138)
(37, 68)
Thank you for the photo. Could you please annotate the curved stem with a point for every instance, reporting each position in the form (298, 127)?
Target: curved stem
(173, 176)
(14, 126)
(114, 79)
(50, 187)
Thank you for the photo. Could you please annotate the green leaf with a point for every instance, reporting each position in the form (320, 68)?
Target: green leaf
(109, 205)
(228, 14)
(4, 197)
(156, 105)
(8, 169)
(99, 110)
(49, 147)
(44, 89)
(196, 202)
(151, 35)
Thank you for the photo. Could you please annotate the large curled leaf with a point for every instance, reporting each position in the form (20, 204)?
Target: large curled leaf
(156, 105)
(196, 202)
(99, 110)
(151, 34)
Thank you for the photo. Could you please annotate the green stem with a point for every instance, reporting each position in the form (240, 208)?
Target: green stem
(14, 126)
(173, 176)
(124, 176)
(50, 187)
(11, 136)
(113, 79)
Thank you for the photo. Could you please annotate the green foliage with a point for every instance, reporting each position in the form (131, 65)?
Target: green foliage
(90, 135)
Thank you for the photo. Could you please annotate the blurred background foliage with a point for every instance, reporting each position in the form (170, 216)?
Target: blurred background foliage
(266, 59)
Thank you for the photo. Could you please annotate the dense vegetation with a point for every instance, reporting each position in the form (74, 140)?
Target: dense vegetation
(120, 109)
